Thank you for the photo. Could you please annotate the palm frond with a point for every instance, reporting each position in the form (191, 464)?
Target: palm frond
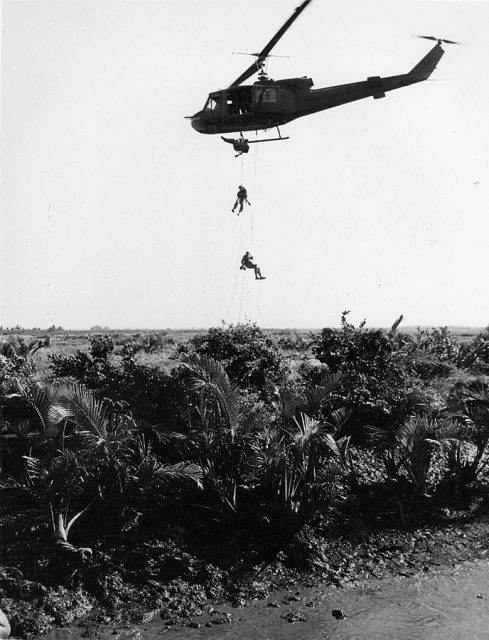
(89, 414)
(151, 469)
(209, 374)
(332, 445)
(414, 431)
(317, 396)
(479, 395)
(43, 400)
(35, 468)
(338, 419)
(307, 429)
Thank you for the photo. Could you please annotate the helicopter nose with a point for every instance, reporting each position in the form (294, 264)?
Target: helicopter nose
(196, 122)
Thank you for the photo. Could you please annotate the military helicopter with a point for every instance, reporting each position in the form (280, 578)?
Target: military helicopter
(268, 103)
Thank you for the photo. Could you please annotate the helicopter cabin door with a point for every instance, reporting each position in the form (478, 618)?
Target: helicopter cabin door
(239, 101)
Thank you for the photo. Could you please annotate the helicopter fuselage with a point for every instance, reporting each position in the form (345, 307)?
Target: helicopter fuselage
(269, 103)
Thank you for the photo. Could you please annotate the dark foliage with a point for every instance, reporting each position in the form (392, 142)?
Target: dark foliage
(234, 473)
(475, 354)
(374, 365)
(250, 358)
(148, 392)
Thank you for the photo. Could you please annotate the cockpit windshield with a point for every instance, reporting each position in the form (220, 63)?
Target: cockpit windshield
(213, 103)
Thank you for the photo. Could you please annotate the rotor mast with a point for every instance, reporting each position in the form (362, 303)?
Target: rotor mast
(264, 53)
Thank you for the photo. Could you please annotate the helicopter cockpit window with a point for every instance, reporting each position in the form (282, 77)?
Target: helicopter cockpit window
(270, 95)
(213, 104)
(266, 95)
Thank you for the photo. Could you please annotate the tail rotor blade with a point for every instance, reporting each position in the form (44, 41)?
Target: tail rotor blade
(439, 40)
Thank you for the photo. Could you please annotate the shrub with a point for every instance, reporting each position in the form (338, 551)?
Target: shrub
(101, 347)
(475, 354)
(250, 358)
(11, 368)
(440, 343)
(149, 392)
(374, 364)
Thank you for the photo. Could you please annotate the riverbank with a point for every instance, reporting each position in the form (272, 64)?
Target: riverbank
(350, 553)
(446, 604)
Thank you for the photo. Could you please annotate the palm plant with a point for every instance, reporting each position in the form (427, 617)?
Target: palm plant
(318, 397)
(386, 437)
(312, 444)
(291, 460)
(42, 398)
(151, 473)
(98, 455)
(313, 401)
(471, 413)
(409, 445)
(55, 482)
(415, 439)
(219, 440)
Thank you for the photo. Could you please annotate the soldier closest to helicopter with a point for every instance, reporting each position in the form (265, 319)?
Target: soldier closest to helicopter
(247, 263)
(240, 145)
(241, 198)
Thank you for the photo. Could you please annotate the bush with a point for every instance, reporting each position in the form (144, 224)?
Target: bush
(250, 358)
(475, 354)
(439, 343)
(150, 393)
(101, 347)
(375, 367)
(13, 367)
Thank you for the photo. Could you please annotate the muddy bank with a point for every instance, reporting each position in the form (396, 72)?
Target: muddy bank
(443, 603)
(448, 604)
(346, 567)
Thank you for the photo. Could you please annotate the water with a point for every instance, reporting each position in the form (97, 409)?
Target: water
(449, 605)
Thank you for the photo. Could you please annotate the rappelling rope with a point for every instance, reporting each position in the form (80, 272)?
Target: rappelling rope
(251, 232)
(253, 196)
(249, 247)
(242, 280)
(258, 304)
(235, 287)
(240, 248)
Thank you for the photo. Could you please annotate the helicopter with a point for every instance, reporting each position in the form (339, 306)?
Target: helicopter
(268, 103)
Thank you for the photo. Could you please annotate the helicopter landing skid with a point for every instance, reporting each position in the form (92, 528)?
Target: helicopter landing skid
(268, 140)
(242, 144)
(280, 137)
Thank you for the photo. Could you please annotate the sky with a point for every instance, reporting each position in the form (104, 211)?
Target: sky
(116, 212)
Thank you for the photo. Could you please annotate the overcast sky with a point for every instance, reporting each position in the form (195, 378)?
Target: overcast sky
(116, 212)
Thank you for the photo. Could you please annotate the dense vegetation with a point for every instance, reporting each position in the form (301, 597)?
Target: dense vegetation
(198, 473)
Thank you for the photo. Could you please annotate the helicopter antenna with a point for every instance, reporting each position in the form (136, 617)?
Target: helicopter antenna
(265, 52)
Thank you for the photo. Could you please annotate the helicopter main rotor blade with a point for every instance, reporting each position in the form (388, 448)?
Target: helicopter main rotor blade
(261, 57)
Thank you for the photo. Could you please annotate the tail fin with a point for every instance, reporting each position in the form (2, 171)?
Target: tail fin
(427, 65)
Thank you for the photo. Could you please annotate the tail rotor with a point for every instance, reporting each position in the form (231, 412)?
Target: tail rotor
(439, 40)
